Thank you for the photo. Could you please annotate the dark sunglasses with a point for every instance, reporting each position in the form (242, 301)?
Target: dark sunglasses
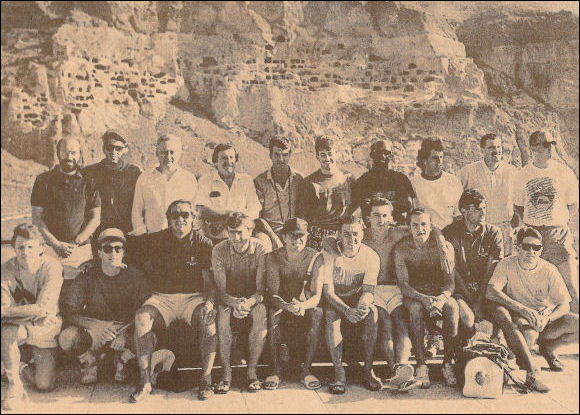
(112, 147)
(527, 247)
(107, 249)
(177, 215)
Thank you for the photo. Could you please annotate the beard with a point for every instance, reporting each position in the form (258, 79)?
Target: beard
(69, 167)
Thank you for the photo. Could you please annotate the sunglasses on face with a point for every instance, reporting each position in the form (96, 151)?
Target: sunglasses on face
(527, 247)
(112, 147)
(107, 249)
(177, 215)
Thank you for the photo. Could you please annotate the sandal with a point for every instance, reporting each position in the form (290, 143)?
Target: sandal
(311, 382)
(223, 387)
(254, 385)
(337, 387)
(205, 392)
(272, 382)
(372, 384)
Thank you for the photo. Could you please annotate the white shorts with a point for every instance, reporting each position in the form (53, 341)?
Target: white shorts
(175, 306)
(43, 335)
(388, 297)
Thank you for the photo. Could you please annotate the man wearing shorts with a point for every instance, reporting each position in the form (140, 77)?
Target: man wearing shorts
(294, 281)
(31, 284)
(535, 306)
(238, 266)
(352, 269)
(99, 308)
(427, 290)
(179, 263)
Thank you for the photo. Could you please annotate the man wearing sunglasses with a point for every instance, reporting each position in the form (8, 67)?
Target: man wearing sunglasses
(546, 197)
(384, 182)
(177, 260)
(99, 308)
(115, 178)
(535, 306)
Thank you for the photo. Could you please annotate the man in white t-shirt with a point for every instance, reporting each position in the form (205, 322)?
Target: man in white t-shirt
(535, 305)
(353, 269)
(494, 178)
(436, 190)
(546, 196)
(157, 188)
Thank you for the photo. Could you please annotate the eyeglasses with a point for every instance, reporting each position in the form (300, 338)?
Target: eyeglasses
(107, 249)
(546, 144)
(112, 147)
(177, 215)
(527, 247)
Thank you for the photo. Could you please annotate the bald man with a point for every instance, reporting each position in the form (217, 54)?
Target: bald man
(66, 205)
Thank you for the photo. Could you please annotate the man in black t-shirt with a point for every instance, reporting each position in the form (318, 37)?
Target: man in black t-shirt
(383, 182)
(178, 261)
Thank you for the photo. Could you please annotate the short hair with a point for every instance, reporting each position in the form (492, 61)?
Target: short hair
(416, 212)
(168, 137)
(279, 142)
(375, 200)
(323, 143)
(527, 232)
(175, 203)
(112, 135)
(488, 137)
(222, 147)
(26, 231)
(470, 197)
(352, 220)
(61, 142)
(537, 136)
(237, 219)
(427, 146)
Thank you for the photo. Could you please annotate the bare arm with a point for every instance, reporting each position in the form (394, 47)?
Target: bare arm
(138, 210)
(403, 278)
(518, 216)
(330, 295)
(316, 284)
(497, 295)
(93, 223)
(258, 296)
(38, 220)
(367, 297)
(273, 285)
(219, 275)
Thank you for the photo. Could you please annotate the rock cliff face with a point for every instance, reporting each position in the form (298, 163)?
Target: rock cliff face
(246, 71)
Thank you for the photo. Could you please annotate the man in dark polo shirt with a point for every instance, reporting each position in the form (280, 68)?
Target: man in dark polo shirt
(478, 247)
(66, 205)
(115, 179)
(384, 182)
(178, 261)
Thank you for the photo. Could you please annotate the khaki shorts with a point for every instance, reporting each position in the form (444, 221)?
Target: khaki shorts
(175, 306)
(43, 335)
(388, 297)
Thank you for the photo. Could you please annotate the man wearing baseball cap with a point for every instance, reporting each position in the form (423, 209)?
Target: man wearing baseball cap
(294, 280)
(99, 308)
(384, 182)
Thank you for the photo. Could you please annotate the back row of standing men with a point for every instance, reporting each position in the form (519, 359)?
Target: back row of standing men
(70, 204)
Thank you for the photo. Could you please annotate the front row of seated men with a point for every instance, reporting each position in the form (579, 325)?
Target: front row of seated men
(381, 282)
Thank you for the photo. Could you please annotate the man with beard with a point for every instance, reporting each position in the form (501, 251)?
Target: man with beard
(157, 188)
(384, 182)
(427, 290)
(277, 190)
(178, 264)
(115, 179)
(66, 205)
(493, 178)
(31, 284)
(294, 280)
(224, 191)
(324, 201)
(546, 197)
(238, 265)
(534, 306)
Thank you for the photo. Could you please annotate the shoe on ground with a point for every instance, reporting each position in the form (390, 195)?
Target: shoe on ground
(142, 393)
(448, 372)
(422, 377)
(534, 382)
(552, 359)
(205, 392)
(403, 379)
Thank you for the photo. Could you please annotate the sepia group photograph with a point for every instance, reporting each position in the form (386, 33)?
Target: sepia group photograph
(289, 207)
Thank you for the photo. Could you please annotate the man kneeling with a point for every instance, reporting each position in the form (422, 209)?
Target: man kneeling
(535, 306)
(99, 308)
(294, 271)
(31, 284)
(348, 290)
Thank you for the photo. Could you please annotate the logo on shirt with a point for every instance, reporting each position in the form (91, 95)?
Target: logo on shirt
(541, 195)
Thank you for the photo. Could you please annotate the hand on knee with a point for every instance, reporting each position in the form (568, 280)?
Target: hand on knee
(143, 324)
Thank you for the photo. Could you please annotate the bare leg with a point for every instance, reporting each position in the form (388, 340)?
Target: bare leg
(514, 338)
(44, 368)
(314, 318)
(12, 337)
(560, 332)
(417, 327)
(403, 343)
(225, 340)
(369, 337)
(147, 319)
(275, 316)
(334, 342)
(450, 328)
(385, 334)
(257, 338)
(208, 344)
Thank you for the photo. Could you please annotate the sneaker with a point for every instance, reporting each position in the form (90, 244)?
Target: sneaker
(422, 376)
(534, 382)
(552, 359)
(403, 379)
(205, 392)
(15, 398)
(448, 372)
(143, 392)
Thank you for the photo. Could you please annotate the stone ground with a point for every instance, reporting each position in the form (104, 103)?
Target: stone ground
(107, 397)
